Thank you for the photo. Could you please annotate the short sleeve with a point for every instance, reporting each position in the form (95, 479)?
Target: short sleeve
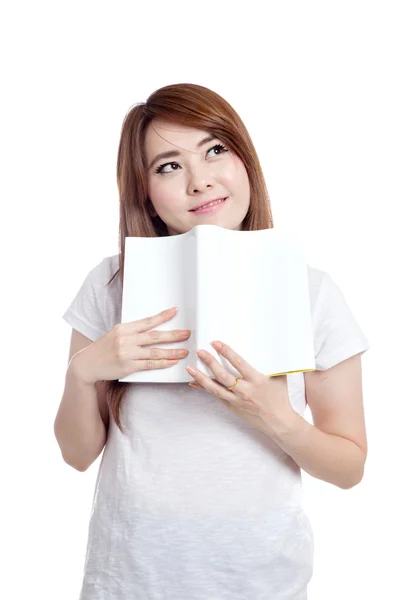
(337, 334)
(86, 311)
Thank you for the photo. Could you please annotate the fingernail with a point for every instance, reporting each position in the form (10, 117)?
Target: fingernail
(217, 345)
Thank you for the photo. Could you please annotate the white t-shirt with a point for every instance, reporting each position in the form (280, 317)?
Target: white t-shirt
(193, 503)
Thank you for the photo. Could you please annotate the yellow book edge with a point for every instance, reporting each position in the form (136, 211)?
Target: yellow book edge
(289, 372)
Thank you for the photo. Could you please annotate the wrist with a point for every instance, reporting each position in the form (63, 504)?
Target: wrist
(283, 424)
(77, 371)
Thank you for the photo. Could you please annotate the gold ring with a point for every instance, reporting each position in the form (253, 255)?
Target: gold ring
(232, 386)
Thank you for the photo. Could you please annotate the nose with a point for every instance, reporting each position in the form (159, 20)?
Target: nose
(200, 179)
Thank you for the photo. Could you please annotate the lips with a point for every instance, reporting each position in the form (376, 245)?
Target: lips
(204, 204)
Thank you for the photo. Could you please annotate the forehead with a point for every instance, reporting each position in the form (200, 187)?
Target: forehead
(161, 135)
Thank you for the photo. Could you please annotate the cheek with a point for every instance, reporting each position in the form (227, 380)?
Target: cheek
(164, 195)
(236, 173)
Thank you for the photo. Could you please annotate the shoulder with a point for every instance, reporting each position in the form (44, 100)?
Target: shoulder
(327, 301)
(316, 281)
(337, 332)
(101, 273)
(325, 293)
(109, 291)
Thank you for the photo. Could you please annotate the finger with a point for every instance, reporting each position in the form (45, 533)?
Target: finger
(209, 384)
(220, 373)
(237, 361)
(156, 336)
(159, 353)
(195, 385)
(153, 321)
(145, 365)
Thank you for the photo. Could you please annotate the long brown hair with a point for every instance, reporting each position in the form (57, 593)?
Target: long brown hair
(193, 106)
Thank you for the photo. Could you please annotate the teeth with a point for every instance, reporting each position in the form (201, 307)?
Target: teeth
(211, 203)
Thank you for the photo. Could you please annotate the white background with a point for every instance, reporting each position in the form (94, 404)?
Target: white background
(317, 85)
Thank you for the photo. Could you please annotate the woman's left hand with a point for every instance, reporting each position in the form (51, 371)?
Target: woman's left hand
(258, 399)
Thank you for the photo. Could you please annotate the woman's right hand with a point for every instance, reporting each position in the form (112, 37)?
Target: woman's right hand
(123, 350)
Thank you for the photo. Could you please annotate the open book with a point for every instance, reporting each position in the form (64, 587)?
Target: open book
(248, 289)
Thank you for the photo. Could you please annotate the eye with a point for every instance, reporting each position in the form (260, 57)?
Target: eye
(220, 147)
(161, 167)
(221, 150)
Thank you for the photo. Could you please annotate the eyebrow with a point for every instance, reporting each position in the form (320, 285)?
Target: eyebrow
(172, 153)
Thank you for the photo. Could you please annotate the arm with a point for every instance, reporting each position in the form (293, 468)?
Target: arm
(334, 448)
(82, 419)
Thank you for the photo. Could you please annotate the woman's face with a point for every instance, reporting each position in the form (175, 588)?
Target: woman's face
(196, 171)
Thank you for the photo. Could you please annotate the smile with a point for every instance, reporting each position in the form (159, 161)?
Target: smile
(210, 207)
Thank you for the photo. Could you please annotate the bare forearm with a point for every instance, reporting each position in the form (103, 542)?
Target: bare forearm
(78, 427)
(325, 456)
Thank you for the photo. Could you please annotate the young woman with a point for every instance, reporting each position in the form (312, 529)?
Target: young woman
(198, 494)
